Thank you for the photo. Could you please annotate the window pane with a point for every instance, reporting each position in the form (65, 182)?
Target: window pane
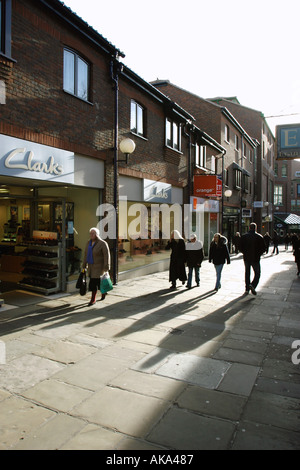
(69, 72)
(133, 127)
(168, 133)
(140, 123)
(82, 79)
(175, 136)
(197, 155)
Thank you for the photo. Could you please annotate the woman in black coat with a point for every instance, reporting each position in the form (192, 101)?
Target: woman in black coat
(218, 254)
(177, 260)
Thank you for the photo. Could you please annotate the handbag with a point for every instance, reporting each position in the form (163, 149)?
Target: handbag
(81, 283)
(105, 284)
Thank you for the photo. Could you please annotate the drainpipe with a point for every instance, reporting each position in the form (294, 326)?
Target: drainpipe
(115, 69)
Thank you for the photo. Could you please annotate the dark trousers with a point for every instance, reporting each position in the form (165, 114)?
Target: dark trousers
(256, 268)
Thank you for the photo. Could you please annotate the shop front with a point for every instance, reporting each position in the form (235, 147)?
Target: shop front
(49, 199)
(148, 213)
(231, 223)
(205, 219)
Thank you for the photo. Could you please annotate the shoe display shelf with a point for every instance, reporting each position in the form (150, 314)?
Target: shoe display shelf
(42, 269)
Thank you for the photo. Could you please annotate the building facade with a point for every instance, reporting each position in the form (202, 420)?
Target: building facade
(237, 166)
(257, 127)
(287, 196)
(67, 102)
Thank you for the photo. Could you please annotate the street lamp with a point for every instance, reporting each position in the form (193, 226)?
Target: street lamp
(228, 193)
(127, 147)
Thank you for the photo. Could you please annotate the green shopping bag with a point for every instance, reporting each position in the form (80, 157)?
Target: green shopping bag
(105, 284)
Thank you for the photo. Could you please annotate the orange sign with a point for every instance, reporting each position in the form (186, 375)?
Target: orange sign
(207, 186)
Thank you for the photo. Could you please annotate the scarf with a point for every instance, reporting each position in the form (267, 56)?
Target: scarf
(90, 258)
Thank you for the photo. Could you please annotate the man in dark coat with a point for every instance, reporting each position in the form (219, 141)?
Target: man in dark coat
(194, 258)
(252, 246)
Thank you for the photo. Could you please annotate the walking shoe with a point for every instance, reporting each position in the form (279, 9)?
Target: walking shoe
(252, 290)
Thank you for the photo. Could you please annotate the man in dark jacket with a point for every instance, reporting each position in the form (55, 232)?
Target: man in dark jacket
(252, 246)
(194, 258)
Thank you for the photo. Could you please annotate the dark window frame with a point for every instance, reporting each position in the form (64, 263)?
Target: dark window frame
(135, 126)
(5, 27)
(77, 59)
(173, 140)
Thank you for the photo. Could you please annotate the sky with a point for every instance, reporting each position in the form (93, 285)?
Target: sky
(246, 49)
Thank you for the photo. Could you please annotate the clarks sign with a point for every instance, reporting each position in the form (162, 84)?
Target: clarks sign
(23, 159)
(50, 167)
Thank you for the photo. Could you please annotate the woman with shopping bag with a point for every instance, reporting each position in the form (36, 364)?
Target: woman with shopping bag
(97, 262)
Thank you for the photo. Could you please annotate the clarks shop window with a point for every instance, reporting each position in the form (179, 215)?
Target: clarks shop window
(76, 75)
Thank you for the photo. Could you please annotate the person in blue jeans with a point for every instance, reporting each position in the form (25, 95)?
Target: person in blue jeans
(219, 254)
(194, 258)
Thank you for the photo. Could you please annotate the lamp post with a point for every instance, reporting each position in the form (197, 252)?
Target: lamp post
(127, 147)
(227, 194)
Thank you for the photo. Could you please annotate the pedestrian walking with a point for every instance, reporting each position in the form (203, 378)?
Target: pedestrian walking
(236, 242)
(177, 259)
(297, 253)
(287, 241)
(96, 261)
(218, 254)
(194, 258)
(267, 239)
(252, 247)
(275, 240)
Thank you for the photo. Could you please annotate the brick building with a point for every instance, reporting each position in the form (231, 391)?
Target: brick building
(257, 127)
(287, 196)
(239, 162)
(66, 103)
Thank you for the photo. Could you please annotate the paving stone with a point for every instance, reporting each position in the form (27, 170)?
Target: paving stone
(93, 437)
(183, 430)
(239, 379)
(66, 352)
(281, 370)
(252, 436)
(126, 412)
(279, 387)
(18, 418)
(151, 385)
(52, 435)
(204, 371)
(275, 410)
(243, 357)
(91, 373)
(26, 371)
(57, 395)
(212, 403)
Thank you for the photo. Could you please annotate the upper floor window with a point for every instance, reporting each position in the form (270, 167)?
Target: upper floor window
(200, 156)
(237, 179)
(76, 75)
(137, 115)
(236, 142)
(5, 27)
(278, 195)
(244, 150)
(173, 136)
(226, 135)
(284, 170)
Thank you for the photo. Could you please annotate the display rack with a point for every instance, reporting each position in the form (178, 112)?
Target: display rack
(42, 269)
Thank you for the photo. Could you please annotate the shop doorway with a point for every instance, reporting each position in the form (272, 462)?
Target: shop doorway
(36, 243)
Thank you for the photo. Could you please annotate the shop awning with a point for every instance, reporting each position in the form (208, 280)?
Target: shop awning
(291, 219)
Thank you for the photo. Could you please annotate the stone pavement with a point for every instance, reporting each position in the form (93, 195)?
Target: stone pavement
(155, 369)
